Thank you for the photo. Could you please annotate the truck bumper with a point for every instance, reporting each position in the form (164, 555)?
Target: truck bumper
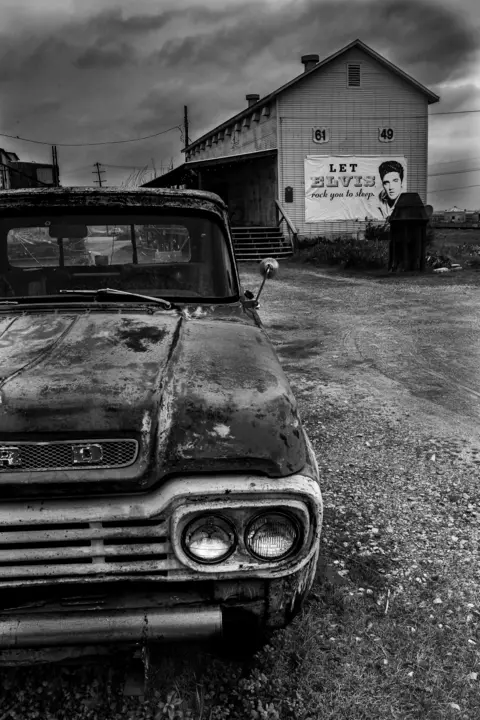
(84, 628)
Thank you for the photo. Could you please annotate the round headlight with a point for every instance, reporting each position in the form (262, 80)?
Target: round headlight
(271, 536)
(209, 539)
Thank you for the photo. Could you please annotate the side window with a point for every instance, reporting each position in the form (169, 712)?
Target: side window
(31, 247)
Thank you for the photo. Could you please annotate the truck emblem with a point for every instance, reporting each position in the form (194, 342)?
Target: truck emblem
(87, 454)
(10, 457)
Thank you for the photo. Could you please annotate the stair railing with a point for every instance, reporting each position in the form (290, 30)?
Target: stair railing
(282, 216)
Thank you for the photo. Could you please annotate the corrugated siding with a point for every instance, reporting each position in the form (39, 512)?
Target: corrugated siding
(261, 135)
(353, 115)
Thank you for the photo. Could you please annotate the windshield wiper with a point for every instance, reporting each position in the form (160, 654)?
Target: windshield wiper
(122, 293)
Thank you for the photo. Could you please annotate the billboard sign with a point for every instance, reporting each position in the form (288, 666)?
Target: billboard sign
(352, 187)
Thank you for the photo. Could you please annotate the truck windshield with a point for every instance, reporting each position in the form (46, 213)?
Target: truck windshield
(167, 256)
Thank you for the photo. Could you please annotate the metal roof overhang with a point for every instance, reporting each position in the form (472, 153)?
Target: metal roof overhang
(175, 176)
(229, 159)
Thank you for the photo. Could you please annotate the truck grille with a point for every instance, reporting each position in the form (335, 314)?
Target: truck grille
(86, 549)
(67, 455)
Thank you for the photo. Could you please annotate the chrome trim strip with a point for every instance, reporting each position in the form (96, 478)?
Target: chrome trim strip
(153, 504)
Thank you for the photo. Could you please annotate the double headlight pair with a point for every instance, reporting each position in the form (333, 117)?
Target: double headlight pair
(268, 536)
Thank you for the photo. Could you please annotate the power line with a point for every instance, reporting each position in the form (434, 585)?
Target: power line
(452, 162)
(107, 142)
(454, 172)
(454, 112)
(179, 127)
(121, 167)
(459, 187)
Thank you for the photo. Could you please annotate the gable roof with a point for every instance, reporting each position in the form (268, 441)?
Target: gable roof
(432, 98)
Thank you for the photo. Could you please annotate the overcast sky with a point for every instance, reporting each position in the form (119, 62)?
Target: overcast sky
(83, 71)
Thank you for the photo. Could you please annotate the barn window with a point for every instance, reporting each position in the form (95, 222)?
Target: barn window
(353, 75)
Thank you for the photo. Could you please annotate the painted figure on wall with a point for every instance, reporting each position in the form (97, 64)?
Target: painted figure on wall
(391, 174)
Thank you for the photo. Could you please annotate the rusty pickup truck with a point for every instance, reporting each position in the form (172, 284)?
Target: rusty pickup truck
(156, 482)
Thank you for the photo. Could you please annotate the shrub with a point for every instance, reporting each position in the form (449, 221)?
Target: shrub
(359, 252)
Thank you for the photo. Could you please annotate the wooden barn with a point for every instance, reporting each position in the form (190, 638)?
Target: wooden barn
(324, 154)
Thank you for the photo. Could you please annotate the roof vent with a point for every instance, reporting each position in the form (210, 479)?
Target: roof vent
(353, 71)
(252, 99)
(309, 61)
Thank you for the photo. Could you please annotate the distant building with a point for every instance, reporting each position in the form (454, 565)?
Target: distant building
(5, 159)
(472, 216)
(323, 154)
(455, 215)
(15, 174)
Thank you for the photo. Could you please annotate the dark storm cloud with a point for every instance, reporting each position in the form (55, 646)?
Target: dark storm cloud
(112, 24)
(98, 57)
(247, 53)
(20, 60)
(46, 107)
(433, 40)
(147, 65)
(424, 35)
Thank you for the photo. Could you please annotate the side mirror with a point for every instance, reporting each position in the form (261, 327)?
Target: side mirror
(268, 269)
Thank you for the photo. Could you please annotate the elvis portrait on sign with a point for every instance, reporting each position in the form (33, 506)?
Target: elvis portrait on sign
(392, 175)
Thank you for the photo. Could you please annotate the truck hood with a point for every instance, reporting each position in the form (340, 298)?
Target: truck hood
(203, 391)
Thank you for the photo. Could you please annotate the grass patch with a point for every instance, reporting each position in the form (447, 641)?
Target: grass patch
(352, 657)
(455, 245)
(370, 252)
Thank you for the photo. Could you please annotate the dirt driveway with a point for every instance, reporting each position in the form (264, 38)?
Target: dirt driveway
(411, 343)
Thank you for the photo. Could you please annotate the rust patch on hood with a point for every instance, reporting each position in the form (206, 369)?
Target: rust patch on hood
(138, 336)
(203, 394)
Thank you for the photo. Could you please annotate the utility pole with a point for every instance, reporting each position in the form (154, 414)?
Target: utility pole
(99, 173)
(56, 172)
(185, 125)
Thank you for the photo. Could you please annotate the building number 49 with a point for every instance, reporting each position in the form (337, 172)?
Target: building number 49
(385, 134)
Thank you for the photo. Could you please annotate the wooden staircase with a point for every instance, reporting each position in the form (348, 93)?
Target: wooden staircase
(252, 244)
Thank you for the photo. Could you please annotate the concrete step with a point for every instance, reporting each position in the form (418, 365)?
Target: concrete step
(254, 233)
(252, 257)
(264, 244)
(254, 243)
(255, 228)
